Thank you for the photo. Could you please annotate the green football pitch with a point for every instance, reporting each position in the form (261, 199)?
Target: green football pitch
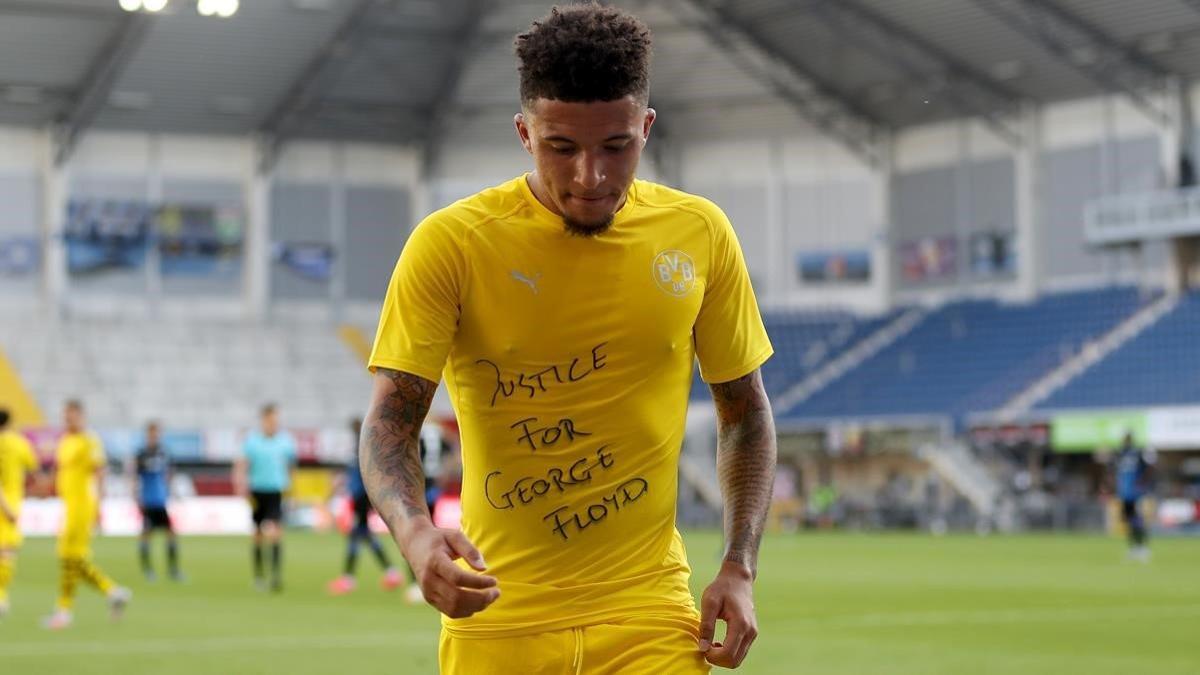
(828, 604)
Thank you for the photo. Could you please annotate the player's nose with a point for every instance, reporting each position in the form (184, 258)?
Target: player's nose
(589, 171)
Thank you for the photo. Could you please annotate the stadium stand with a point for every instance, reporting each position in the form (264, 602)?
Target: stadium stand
(967, 356)
(803, 342)
(972, 355)
(1161, 366)
(188, 373)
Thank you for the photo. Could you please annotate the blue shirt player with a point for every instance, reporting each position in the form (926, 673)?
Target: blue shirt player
(152, 479)
(1133, 474)
(361, 532)
(262, 474)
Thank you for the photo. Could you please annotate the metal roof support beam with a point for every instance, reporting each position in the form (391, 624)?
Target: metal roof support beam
(1098, 56)
(290, 113)
(50, 9)
(94, 90)
(970, 93)
(471, 38)
(814, 100)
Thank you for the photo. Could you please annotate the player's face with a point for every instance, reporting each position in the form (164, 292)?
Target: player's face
(584, 156)
(270, 423)
(152, 435)
(73, 419)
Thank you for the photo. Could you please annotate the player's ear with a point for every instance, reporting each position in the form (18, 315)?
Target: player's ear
(522, 127)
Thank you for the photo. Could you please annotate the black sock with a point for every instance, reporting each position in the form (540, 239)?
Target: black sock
(173, 557)
(351, 555)
(276, 560)
(144, 556)
(1139, 535)
(258, 561)
(380, 555)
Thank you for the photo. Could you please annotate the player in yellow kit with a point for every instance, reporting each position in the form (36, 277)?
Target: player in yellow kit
(16, 460)
(80, 464)
(565, 310)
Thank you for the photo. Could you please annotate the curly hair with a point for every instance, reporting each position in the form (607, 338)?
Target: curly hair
(584, 53)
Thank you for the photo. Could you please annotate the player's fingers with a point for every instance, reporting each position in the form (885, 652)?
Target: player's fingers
(720, 655)
(748, 633)
(735, 636)
(464, 549)
(466, 602)
(455, 602)
(433, 596)
(459, 577)
(710, 607)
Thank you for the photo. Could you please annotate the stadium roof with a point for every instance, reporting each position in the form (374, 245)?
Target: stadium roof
(375, 69)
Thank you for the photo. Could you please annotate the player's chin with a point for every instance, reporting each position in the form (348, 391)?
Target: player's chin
(587, 226)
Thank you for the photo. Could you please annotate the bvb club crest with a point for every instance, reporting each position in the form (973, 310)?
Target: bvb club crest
(674, 272)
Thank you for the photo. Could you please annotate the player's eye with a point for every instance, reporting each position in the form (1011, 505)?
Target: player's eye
(563, 149)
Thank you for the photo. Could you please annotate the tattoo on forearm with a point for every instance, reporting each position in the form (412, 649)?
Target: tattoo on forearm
(390, 450)
(745, 463)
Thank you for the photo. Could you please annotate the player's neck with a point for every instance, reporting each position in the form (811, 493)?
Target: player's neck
(539, 192)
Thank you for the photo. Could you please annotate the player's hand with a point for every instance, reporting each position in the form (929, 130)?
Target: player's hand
(729, 598)
(455, 592)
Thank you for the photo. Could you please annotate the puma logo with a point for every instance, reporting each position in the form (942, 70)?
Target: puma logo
(532, 283)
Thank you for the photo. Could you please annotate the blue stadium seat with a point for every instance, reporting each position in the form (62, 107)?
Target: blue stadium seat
(971, 356)
(1160, 366)
(804, 341)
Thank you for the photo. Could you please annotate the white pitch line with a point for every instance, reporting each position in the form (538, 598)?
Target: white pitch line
(192, 645)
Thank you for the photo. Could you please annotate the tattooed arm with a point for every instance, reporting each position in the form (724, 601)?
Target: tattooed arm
(745, 464)
(390, 457)
(746, 467)
(389, 450)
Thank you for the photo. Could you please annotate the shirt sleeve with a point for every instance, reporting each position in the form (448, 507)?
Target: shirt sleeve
(730, 338)
(421, 310)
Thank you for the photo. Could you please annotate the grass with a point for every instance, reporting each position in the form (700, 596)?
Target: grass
(828, 604)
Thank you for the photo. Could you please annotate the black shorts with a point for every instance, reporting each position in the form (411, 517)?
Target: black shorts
(155, 518)
(362, 508)
(1129, 509)
(266, 506)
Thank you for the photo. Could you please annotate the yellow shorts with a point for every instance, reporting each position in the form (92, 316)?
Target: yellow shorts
(653, 644)
(10, 534)
(75, 539)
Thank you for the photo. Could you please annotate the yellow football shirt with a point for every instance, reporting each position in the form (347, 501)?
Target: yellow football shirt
(569, 361)
(16, 460)
(80, 456)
